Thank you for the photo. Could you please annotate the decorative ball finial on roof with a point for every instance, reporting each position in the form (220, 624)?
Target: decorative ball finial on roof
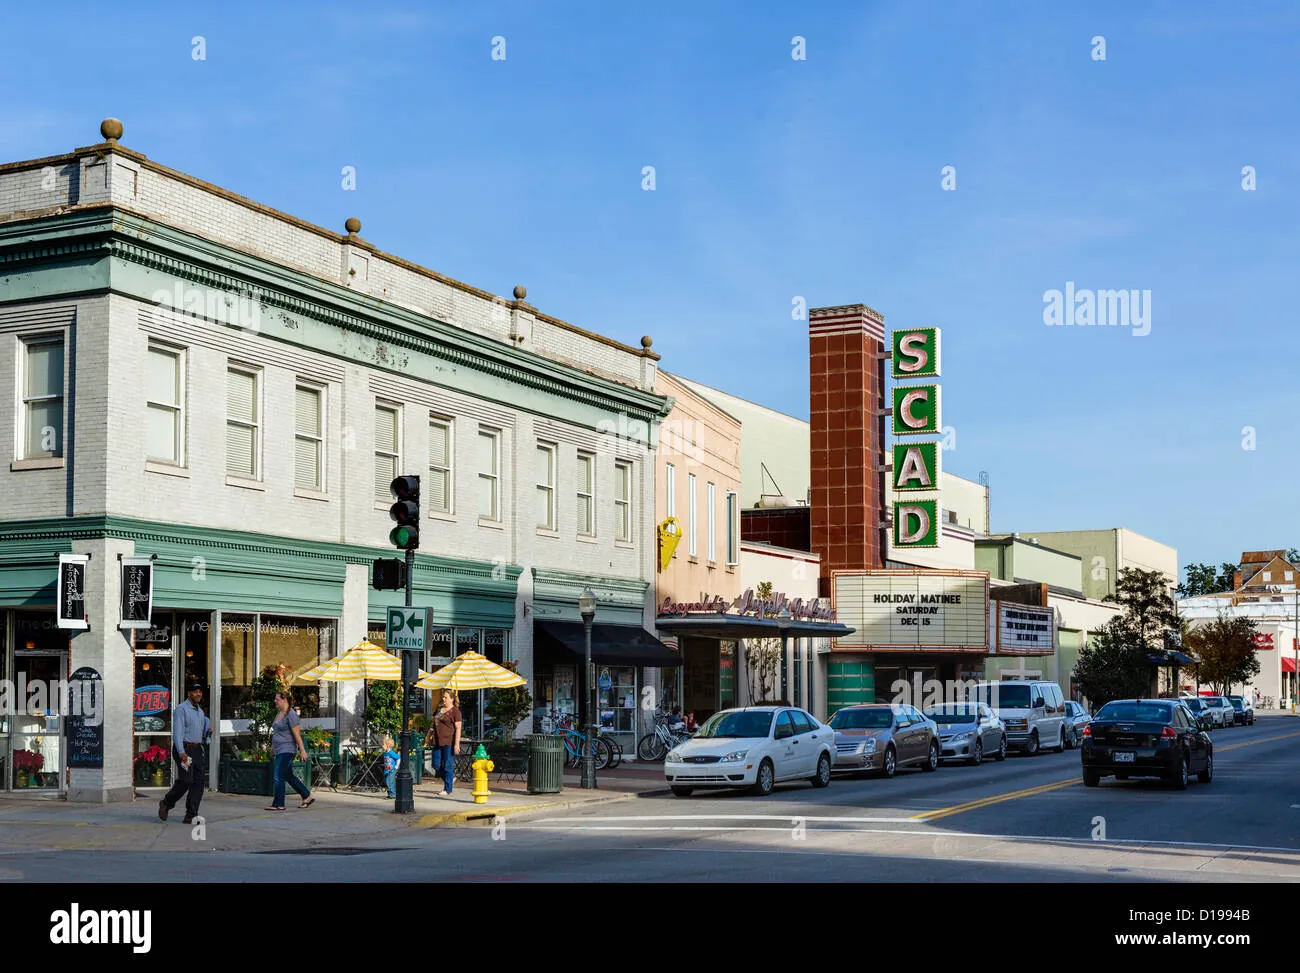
(111, 129)
(520, 292)
(646, 342)
(353, 225)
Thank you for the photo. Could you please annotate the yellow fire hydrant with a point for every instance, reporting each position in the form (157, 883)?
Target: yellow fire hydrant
(481, 767)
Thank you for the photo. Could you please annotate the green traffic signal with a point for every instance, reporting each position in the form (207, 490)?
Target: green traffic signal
(406, 537)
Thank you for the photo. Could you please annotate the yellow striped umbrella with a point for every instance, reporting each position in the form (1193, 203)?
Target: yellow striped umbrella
(469, 670)
(365, 660)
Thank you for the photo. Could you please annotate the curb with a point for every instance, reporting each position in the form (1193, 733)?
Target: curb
(483, 812)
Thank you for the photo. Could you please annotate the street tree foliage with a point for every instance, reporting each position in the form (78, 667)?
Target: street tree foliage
(1203, 579)
(1224, 650)
(762, 657)
(1149, 610)
(1111, 666)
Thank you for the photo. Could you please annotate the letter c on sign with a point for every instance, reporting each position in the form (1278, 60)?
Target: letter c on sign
(913, 348)
(909, 420)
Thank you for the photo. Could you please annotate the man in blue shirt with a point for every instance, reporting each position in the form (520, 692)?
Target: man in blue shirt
(190, 731)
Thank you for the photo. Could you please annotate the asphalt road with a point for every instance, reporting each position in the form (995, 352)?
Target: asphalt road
(1028, 819)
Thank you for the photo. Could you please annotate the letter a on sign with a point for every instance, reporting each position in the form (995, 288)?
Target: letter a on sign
(916, 410)
(916, 353)
(916, 523)
(916, 466)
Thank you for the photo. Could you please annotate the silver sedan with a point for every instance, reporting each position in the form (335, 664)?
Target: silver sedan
(969, 732)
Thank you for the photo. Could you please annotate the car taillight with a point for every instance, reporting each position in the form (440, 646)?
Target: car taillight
(1168, 733)
(1087, 731)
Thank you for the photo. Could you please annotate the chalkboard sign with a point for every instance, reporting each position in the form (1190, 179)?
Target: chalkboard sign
(86, 719)
(416, 698)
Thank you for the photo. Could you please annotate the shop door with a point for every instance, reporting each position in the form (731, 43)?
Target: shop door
(36, 754)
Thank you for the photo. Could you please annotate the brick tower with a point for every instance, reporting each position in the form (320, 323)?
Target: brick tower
(846, 351)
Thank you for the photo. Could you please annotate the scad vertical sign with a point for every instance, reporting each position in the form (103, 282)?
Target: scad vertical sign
(916, 467)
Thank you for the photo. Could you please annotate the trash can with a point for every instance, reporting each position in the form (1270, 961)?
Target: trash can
(545, 763)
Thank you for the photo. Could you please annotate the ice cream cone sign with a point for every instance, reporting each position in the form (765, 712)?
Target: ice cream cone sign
(670, 535)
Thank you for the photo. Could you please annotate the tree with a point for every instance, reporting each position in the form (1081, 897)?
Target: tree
(1225, 651)
(762, 657)
(1149, 611)
(1292, 556)
(1204, 579)
(1111, 666)
(507, 708)
(383, 713)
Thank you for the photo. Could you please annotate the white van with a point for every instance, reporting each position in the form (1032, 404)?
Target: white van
(1033, 711)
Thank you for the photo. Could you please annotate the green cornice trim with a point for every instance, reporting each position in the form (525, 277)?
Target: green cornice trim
(128, 238)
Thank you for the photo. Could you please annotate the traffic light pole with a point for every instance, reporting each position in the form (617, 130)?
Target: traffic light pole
(405, 803)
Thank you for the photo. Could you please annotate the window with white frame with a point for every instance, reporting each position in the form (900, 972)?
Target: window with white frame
(670, 488)
(691, 549)
(387, 448)
(546, 486)
(165, 405)
(622, 500)
(242, 423)
(42, 404)
(489, 493)
(439, 491)
(711, 516)
(733, 529)
(309, 438)
(586, 481)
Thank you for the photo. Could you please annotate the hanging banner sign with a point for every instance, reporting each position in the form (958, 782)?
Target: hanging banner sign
(137, 593)
(71, 596)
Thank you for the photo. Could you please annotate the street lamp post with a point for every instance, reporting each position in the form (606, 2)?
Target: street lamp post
(783, 620)
(587, 609)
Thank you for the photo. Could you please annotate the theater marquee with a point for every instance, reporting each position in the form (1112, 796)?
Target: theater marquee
(911, 610)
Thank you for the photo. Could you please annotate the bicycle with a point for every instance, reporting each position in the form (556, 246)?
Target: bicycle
(601, 751)
(656, 744)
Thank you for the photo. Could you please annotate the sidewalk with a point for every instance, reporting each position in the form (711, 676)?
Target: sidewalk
(237, 822)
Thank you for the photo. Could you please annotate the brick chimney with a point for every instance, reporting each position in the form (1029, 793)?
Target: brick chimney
(846, 348)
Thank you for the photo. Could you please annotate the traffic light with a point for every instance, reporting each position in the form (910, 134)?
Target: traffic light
(389, 574)
(406, 511)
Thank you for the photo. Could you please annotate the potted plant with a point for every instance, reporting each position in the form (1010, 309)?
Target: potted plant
(150, 765)
(248, 769)
(507, 708)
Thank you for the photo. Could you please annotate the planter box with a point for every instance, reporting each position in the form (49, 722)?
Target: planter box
(253, 777)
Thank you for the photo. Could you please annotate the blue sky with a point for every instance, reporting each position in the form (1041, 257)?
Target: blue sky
(778, 178)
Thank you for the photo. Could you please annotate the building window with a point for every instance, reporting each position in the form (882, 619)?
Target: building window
(1268, 575)
(241, 423)
(546, 486)
(1286, 575)
(309, 438)
(387, 449)
(586, 494)
(733, 532)
(670, 488)
(690, 515)
(439, 490)
(622, 501)
(42, 398)
(711, 516)
(165, 398)
(489, 494)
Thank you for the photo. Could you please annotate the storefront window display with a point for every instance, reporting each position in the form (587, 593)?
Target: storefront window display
(238, 665)
(616, 698)
(153, 713)
(250, 643)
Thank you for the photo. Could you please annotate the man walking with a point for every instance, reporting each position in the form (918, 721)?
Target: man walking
(190, 730)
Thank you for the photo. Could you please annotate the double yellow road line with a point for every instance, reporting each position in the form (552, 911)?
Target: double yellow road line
(944, 812)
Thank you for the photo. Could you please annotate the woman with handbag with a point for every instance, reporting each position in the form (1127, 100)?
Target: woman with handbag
(443, 739)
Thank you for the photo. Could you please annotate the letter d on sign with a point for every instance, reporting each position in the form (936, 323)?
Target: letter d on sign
(916, 523)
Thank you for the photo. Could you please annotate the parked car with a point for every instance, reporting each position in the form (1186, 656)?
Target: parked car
(968, 731)
(1243, 711)
(1076, 718)
(882, 737)
(1034, 712)
(1200, 711)
(1222, 710)
(756, 747)
(1146, 738)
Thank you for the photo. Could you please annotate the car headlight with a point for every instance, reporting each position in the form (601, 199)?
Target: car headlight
(869, 746)
(960, 737)
(734, 756)
(673, 757)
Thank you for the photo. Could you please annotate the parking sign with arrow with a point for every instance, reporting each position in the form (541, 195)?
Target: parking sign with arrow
(407, 629)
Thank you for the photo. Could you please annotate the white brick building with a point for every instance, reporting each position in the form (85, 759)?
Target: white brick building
(228, 389)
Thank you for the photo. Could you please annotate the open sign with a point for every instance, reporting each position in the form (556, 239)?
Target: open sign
(152, 699)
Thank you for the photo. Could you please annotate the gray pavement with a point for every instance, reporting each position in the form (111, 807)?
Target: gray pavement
(1028, 819)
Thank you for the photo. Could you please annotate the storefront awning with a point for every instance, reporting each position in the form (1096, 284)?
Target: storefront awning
(1288, 665)
(1171, 658)
(723, 626)
(617, 645)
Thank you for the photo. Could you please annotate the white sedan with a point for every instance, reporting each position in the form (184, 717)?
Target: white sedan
(756, 747)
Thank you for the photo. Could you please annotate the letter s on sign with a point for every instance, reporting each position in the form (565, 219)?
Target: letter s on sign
(913, 348)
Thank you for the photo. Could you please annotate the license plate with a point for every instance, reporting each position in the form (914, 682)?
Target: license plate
(1124, 758)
